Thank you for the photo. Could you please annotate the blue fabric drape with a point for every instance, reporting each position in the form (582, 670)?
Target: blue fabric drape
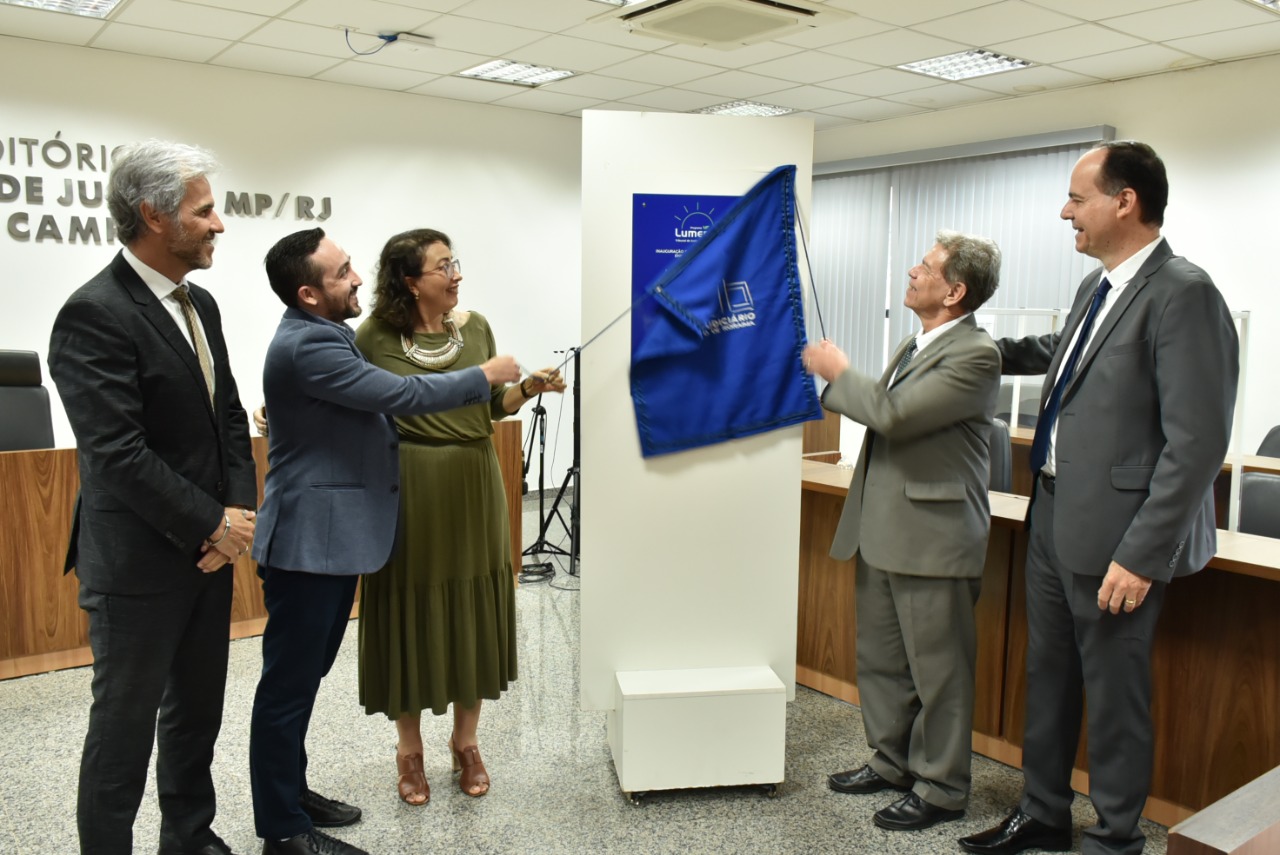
(721, 358)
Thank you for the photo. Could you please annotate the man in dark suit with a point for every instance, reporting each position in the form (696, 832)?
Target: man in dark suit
(166, 487)
(329, 514)
(917, 518)
(1135, 421)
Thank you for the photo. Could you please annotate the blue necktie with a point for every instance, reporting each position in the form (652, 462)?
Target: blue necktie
(1044, 426)
(907, 356)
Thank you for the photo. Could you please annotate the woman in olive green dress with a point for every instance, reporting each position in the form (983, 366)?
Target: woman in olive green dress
(437, 624)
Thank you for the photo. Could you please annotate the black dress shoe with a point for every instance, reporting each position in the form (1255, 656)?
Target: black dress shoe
(1019, 831)
(312, 843)
(862, 782)
(327, 813)
(912, 813)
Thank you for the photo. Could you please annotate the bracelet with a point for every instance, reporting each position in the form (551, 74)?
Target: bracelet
(226, 529)
(525, 394)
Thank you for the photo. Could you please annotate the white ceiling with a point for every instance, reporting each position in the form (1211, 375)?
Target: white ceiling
(839, 74)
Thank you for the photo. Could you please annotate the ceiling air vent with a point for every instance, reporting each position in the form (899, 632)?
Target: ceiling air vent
(724, 24)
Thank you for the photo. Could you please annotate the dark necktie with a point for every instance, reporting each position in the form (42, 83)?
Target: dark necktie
(907, 356)
(1044, 426)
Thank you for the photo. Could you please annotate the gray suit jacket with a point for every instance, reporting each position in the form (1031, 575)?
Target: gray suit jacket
(918, 501)
(331, 500)
(158, 462)
(1144, 424)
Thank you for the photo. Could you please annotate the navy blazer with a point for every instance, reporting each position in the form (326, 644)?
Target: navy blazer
(158, 461)
(332, 488)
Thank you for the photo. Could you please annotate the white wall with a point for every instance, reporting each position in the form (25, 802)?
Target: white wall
(504, 184)
(1218, 131)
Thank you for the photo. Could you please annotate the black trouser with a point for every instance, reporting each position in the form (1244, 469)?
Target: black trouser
(1074, 647)
(307, 614)
(154, 655)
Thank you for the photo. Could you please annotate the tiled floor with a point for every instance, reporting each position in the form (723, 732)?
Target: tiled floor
(554, 788)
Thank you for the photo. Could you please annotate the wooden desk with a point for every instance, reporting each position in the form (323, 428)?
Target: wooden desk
(41, 625)
(1215, 665)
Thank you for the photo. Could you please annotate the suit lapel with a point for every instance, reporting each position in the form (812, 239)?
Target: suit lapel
(936, 348)
(158, 316)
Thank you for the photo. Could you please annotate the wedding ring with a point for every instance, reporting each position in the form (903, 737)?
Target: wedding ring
(1130, 602)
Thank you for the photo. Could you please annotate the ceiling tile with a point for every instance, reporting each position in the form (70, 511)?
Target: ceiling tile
(737, 58)
(162, 43)
(1190, 19)
(904, 14)
(811, 66)
(464, 89)
(811, 98)
(836, 31)
(1148, 59)
(660, 70)
(48, 26)
(944, 95)
(258, 7)
(405, 54)
(614, 33)
(431, 5)
(895, 47)
(882, 81)
(309, 38)
(873, 109)
(375, 76)
(1071, 43)
(1233, 44)
(367, 16)
(674, 100)
(737, 84)
(548, 16)
(998, 22)
(1026, 81)
(547, 102)
(574, 54)
(1094, 10)
(595, 86)
(186, 18)
(823, 122)
(484, 37)
(273, 60)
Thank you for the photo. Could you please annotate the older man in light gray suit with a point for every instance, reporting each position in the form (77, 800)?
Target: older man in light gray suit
(918, 519)
(329, 514)
(1139, 391)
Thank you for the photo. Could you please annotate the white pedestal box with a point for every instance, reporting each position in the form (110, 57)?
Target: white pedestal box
(698, 727)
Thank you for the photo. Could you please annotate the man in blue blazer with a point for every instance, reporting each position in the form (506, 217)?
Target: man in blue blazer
(166, 491)
(1135, 419)
(328, 514)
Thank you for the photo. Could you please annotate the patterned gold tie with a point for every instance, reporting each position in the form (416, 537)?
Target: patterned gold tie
(183, 296)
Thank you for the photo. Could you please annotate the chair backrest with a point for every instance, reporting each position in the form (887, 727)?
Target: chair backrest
(25, 419)
(1271, 443)
(1260, 504)
(1001, 458)
(1028, 404)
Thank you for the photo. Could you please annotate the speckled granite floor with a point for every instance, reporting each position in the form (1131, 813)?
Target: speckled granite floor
(554, 788)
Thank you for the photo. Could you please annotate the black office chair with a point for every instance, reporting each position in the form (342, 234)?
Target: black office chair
(1028, 405)
(1001, 458)
(1271, 443)
(1260, 504)
(25, 420)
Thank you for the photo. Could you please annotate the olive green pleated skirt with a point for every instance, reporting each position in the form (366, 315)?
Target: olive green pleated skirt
(438, 623)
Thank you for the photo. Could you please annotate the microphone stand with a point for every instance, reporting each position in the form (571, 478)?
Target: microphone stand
(542, 546)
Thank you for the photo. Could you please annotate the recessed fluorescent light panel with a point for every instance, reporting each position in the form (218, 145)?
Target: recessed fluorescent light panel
(85, 8)
(962, 66)
(745, 108)
(519, 73)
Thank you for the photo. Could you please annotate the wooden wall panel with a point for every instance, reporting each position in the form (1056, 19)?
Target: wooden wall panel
(991, 616)
(822, 436)
(825, 630)
(510, 448)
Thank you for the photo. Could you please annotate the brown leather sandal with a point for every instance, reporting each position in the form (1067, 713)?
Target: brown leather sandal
(470, 770)
(412, 786)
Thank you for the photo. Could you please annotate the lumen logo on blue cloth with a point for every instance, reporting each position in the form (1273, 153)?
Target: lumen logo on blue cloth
(716, 350)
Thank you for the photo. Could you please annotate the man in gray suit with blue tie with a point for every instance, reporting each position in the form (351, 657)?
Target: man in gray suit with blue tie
(1136, 410)
(917, 518)
(329, 514)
